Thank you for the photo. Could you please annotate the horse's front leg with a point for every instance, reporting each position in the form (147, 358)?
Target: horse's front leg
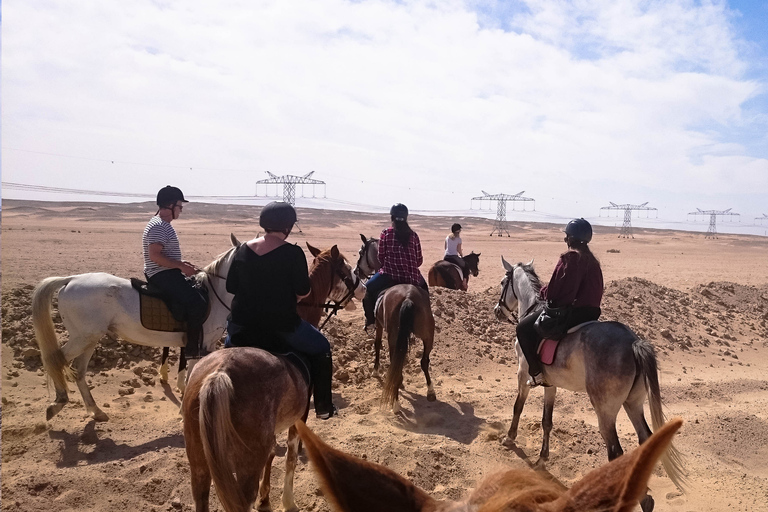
(546, 423)
(289, 503)
(164, 364)
(522, 395)
(81, 367)
(431, 397)
(377, 348)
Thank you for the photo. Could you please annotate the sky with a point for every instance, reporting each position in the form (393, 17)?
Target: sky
(429, 103)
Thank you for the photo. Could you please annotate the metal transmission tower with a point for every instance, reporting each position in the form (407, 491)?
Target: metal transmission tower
(712, 231)
(761, 219)
(289, 183)
(626, 228)
(500, 225)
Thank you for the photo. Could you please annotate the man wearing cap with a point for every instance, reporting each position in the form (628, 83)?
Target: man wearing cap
(165, 269)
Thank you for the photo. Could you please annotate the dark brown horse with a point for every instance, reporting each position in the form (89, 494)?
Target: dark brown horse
(355, 485)
(404, 309)
(449, 275)
(237, 399)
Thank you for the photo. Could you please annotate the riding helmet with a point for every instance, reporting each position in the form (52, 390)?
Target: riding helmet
(399, 212)
(169, 195)
(579, 229)
(455, 227)
(277, 216)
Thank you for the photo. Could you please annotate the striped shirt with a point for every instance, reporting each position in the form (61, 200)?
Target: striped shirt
(400, 263)
(159, 232)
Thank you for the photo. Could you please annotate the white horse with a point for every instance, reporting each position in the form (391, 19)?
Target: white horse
(92, 305)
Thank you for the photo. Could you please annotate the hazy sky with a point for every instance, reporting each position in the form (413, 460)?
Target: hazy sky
(576, 102)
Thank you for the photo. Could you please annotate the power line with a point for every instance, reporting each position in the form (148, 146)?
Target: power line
(626, 228)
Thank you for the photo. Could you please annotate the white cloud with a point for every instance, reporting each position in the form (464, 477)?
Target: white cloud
(417, 95)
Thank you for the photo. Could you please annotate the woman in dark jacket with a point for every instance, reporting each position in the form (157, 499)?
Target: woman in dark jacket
(577, 282)
(268, 277)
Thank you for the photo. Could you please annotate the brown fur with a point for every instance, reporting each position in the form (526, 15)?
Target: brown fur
(444, 274)
(354, 485)
(405, 310)
(324, 277)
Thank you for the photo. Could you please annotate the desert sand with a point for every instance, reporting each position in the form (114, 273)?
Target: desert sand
(702, 303)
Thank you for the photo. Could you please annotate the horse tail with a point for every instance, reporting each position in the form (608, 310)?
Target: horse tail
(54, 362)
(672, 460)
(220, 439)
(397, 360)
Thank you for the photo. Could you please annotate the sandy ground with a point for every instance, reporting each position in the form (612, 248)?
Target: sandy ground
(704, 305)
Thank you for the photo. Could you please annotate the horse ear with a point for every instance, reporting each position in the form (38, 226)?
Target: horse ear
(362, 237)
(313, 250)
(352, 484)
(507, 266)
(618, 485)
(233, 240)
(530, 263)
(335, 252)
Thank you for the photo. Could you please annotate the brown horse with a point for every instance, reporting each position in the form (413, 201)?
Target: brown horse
(404, 309)
(237, 399)
(355, 485)
(449, 275)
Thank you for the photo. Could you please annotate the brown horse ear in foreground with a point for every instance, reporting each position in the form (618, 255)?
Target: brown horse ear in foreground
(351, 484)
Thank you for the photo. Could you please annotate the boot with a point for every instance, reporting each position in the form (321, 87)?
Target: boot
(322, 373)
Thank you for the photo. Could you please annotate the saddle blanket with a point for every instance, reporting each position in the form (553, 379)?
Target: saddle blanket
(154, 310)
(548, 348)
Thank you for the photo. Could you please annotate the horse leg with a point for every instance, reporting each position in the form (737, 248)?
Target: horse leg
(289, 503)
(70, 351)
(546, 423)
(81, 367)
(431, 397)
(164, 365)
(183, 373)
(377, 348)
(634, 409)
(606, 422)
(522, 395)
(198, 466)
(263, 502)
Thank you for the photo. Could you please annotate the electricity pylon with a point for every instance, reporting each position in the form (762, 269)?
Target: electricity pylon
(500, 224)
(761, 219)
(289, 183)
(712, 231)
(626, 228)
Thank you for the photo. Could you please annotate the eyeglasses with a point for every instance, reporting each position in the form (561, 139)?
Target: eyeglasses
(180, 207)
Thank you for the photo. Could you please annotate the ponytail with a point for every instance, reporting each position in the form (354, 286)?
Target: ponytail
(402, 231)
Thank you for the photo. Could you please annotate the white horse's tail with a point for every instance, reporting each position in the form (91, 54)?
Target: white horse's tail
(54, 362)
(220, 439)
(672, 460)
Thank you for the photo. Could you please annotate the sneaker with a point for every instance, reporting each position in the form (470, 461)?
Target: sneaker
(329, 414)
(537, 380)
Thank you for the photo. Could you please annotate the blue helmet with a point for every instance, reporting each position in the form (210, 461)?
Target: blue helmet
(579, 229)
(399, 212)
(277, 216)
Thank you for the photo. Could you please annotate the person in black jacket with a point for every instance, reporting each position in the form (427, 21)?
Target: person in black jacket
(268, 277)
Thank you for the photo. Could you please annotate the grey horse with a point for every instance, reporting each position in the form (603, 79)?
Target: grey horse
(606, 359)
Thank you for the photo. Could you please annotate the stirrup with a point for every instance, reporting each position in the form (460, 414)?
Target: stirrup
(537, 380)
(328, 414)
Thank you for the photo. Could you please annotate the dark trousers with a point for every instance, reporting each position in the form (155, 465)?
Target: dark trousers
(529, 338)
(193, 303)
(458, 260)
(375, 287)
(305, 339)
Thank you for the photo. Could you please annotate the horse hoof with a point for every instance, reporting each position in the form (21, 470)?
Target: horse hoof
(100, 416)
(163, 373)
(431, 397)
(540, 464)
(508, 442)
(53, 409)
(647, 503)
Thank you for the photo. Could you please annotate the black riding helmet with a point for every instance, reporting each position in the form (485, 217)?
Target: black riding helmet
(399, 212)
(277, 216)
(169, 195)
(455, 227)
(580, 230)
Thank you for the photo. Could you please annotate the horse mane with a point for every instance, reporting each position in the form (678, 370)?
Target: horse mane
(213, 267)
(533, 277)
(311, 306)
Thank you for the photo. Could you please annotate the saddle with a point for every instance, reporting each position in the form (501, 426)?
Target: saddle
(159, 312)
(548, 348)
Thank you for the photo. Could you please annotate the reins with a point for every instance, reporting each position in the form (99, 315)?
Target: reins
(213, 289)
(503, 299)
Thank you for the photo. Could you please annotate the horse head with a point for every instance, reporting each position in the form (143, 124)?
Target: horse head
(344, 285)
(368, 258)
(472, 260)
(355, 484)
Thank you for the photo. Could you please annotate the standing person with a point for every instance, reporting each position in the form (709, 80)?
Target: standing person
(577, 282)
(400, 257)
(453, 252)
(165, 269)
(268, 277)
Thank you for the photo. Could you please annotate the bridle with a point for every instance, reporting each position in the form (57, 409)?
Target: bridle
(503, 299)
(213, 288)
(368, 263)
(336, 305)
